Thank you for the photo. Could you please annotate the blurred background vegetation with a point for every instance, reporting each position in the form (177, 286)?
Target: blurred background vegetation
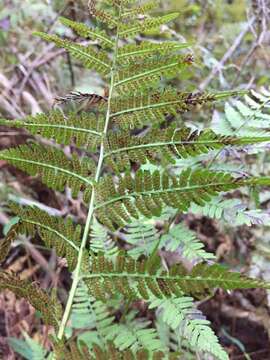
(230, 42)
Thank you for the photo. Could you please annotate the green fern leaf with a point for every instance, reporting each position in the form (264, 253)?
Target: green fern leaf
(93, 316)
(132, 52)
(103, 16)
(137, 27)
(85, 129)
(139, 10)
(38, 298)
(245, 119)
(148, 193)
(28, 348)
(165, 145)
(91, 59)
(53, 167)
(141, 76)
(143, 108)
(89, 33)
(101, 242)
(185, 241)
(71, 351)
(137, 280)
(143, 236)
(181, 314)
(56, 233)
(5, 243)
(135, 334)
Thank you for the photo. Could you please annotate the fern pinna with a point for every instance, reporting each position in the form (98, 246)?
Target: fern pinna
(120, 135)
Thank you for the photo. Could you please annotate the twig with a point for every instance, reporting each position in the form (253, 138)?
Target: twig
(227, 55)
(263, 18)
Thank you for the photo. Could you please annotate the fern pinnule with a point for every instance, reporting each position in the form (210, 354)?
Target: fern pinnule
(91, 59)
(56, 233)
(142, 26)
(88, 33)
(135, 334)
(181, 239)
(148, 193)
(166, 145)
(148, 74)
(188, 322)
(91, 315)
(139, 10)
(142, 108)
(131, 52)
(83, 129)
(37, 297)
(143, 236)
(135, 279)
(72, 351)
(46, 162)
(5, 244)
(106, 17)
(244, 118)
(100, 241)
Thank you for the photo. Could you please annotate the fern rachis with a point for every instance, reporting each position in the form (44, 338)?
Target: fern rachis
(76, 276)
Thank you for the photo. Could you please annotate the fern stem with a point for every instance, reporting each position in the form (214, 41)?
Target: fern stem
(77, 271)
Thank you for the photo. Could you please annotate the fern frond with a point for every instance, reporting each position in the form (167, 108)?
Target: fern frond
(137, 280)
(84, 129)
(181, 315)
(143, 26)
(139, 10)
(143, 236)
(101, 15)
(56, 233)
(90, 58)
(29, 349)
(5, 243)
(38, 298)
(148, 193)
(123, 3)
(100, 241)
(140, 76)
(186, 242)
(231, 211)
(132, 52)
(89, 314)
(143, 108)
(243, 119)
(136, 334)
(71, 351)
(165, 145)
(89, 33)
(52, 166)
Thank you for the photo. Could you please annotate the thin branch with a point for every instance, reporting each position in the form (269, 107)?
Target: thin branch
(237, 42)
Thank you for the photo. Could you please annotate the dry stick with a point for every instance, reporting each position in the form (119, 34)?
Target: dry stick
(227, 55)
(256, 45)
(33, 66)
